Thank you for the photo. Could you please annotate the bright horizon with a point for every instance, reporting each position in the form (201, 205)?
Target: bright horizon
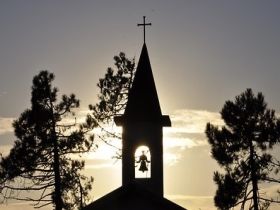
(202, 53)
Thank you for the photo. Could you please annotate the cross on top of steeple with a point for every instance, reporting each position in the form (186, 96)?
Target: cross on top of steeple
(144, 24)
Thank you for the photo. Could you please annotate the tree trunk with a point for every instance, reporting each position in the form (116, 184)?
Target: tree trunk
(56, 166)
(254, 177)
(57, 185)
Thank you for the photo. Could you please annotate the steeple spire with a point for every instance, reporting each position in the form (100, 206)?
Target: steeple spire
(144, 24)
(143, 103)
(142, 124)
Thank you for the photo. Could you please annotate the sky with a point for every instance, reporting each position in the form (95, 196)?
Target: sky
(202, 53)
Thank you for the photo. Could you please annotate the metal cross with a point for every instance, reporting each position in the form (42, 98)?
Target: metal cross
(144, 26)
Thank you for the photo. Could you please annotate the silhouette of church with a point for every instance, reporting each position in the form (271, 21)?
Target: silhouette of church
(142, 124)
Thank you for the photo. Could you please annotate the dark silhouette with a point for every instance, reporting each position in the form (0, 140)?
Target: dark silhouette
(113, 95)
(143, 160)
(144, 24)
(142, 124)
(39, 160)
(242, 148)
(112, 98)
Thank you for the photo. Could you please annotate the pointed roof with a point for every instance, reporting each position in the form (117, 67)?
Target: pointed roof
(143, 103)
(143, 98)
(132, 196)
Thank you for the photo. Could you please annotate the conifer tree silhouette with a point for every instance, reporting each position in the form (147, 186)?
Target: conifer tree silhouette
(112, 98)
(40, 159)
(242, 147)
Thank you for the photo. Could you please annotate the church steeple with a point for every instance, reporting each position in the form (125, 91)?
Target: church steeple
(142, 148)
(142, 124)
(143, 104)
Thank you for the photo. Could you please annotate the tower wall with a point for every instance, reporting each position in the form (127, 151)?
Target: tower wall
(143, 134)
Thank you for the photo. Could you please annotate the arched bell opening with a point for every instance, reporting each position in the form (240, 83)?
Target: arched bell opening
(142, 158)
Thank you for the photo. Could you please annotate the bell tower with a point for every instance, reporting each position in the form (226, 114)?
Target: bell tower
(142, 150)
(142, 124)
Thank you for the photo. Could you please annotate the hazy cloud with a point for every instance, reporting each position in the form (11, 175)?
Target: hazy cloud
(6, 125)
(99, 164)
(188, 127)
(199, 202)
(5, 149)
(186, 197)
(187, 131)
(271, 190)
(193, 121)
(203, 202)
(171, 158)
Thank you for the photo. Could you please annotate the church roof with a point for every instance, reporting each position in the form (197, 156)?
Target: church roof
(143, 99)
(143, 103)
(132, 196)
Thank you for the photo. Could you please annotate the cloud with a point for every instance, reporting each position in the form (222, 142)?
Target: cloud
(185, 141)
(6, 125)
(186, 197)
(5, 149)
(101, 164)
(188, 127)
(187, 131)
(194, 121)
(171, 158)
(15, 205)
(193, 202)
(270, 190)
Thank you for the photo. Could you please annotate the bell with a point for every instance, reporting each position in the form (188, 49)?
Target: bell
(143, 160)
(143, 166)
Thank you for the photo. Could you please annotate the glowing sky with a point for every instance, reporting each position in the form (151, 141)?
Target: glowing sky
(202, 53)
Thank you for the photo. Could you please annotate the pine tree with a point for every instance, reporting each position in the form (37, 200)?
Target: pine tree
(112, 98)
(42, 158)
(242, 147)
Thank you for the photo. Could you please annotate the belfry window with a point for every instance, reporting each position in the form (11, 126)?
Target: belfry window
(142, 162)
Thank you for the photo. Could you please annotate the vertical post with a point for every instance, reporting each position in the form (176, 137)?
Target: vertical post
(254, 178)
(56, 165)
(144, 24)
(144, 21)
